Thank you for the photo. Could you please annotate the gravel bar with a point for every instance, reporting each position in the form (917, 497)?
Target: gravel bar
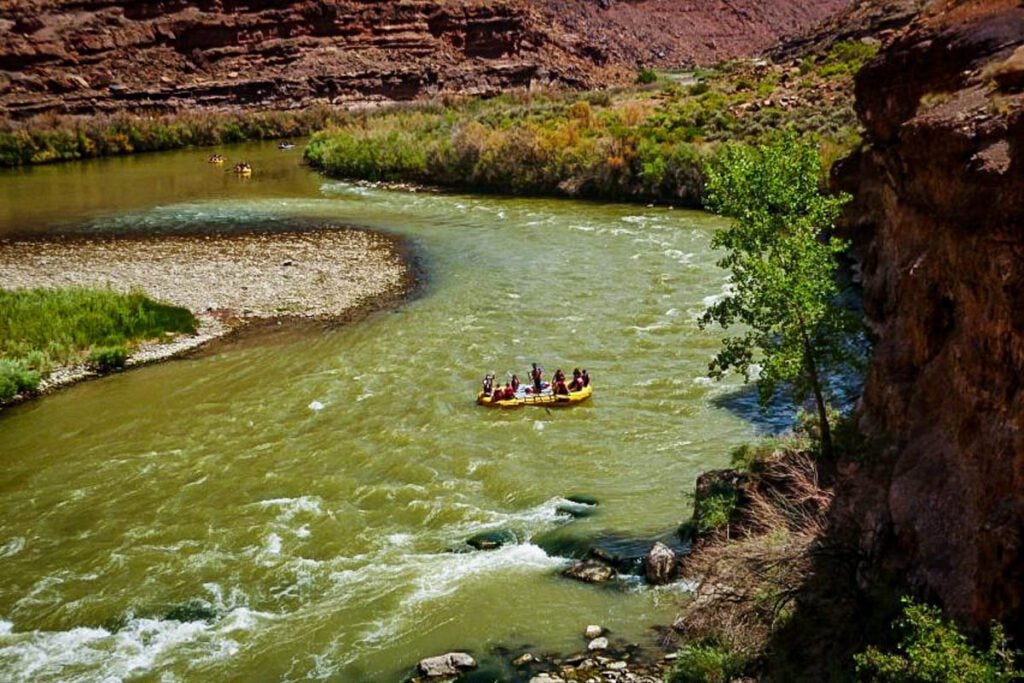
(227, 281)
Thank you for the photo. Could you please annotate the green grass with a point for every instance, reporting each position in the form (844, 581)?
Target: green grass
(705, 663)
(52, 138)
(40, 328)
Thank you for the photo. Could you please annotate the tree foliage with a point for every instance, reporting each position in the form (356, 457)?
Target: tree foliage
(932, 650)
(783, 290)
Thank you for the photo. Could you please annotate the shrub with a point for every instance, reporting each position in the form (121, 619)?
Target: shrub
(847, 57)
(932, 650)
(715, 511)
(698, 88)
(15, 378)
(107, 358)
(708, 663)
(646, 76)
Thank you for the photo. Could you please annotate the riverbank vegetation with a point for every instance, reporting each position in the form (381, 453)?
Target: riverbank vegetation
(779, 592)
(43, 328)
(648, 142)
(65, 138)
(931, 648)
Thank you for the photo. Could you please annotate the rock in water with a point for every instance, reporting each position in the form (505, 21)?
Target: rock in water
(598, 644)
(593, 631)
(582, 500)
(491, 540)
(450, 664)
(590, 571)
(660, 564)
(523, 660)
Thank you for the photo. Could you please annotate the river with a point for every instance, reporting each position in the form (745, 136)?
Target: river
(199, 519)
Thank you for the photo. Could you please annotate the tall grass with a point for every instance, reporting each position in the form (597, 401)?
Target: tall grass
(43, 327)
(47, 139)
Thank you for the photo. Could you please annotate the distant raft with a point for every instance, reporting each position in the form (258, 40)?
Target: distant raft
(216, 159)
(243, 169)
(546, 397)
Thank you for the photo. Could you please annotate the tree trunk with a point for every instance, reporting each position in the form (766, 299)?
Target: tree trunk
(819, 399)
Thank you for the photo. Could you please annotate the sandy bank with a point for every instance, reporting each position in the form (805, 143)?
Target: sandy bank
(227, 281)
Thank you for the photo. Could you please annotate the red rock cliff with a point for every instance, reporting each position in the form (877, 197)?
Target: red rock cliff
(80, 56)
(940, 220)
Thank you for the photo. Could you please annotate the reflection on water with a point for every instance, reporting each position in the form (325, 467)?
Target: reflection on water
(201, 519)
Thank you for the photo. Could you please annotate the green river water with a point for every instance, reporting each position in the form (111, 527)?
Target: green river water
(319, 542)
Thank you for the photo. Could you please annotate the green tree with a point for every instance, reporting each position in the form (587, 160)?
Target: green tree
(783, 288)
(932, 650)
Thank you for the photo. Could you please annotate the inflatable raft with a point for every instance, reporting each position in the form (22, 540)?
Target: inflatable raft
(544, 398)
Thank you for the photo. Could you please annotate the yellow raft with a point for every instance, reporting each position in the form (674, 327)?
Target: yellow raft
(546, 398)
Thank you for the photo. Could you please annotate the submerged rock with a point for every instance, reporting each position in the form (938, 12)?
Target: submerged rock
(582, 500)
(576, 511)
(590, 571)
(623, 553)
(451, 664)
(660, 564)
(193, 610)
(491, 540)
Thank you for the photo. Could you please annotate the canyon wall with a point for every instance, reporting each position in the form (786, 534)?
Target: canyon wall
(939, 219)
(83, 56)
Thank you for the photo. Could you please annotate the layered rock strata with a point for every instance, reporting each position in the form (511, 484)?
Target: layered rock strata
(83, 56)
(939, 218)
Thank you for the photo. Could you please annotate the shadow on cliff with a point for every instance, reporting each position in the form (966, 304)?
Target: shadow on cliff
(838, 613)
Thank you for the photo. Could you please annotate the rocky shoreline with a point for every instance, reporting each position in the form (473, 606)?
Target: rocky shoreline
(229, 282)
(601, 660)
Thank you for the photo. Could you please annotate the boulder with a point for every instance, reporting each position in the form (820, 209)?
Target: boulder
(598, 644)
(451, 664)
(523, 659)
(491, 540)
(593, 631)
(590, 571)
(660, 564)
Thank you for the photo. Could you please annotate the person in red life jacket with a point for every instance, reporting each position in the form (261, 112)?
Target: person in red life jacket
(536, 376)
(585, 377)
(515, 384)
(577, 380)
(508, 392)
(558, 383)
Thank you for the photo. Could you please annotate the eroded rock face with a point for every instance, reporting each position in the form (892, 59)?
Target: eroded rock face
(82, 56)
(940, 221)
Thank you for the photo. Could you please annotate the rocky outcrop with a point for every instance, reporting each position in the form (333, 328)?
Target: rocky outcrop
(83, 56)
(939, 221)
(875, 20)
